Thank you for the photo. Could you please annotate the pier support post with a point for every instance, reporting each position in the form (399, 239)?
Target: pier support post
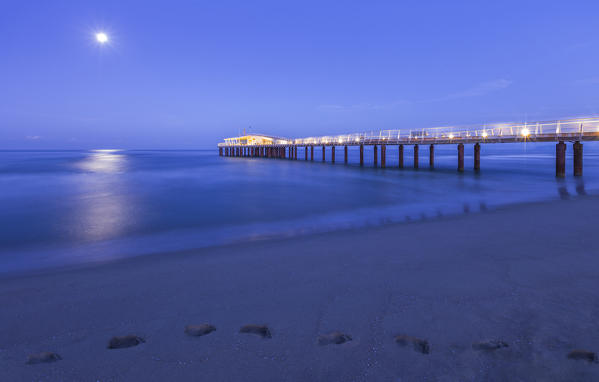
(306, 153)
(400, 147)
(560, 159)
(323, 152)
(345, 156)
(361, 155)
(415, 156)
(383, 156)
(431, 156)
(295, 152)
(461, 157)
(220, 151)
(577, 158)
(376, 155)
(312, 152)
(477, 157)
(333, 154)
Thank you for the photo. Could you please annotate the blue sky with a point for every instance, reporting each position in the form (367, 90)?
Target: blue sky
(185, 74)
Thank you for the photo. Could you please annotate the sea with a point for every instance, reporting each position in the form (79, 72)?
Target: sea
(74, 208)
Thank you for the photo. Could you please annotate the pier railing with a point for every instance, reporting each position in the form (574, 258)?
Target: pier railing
(561, 130)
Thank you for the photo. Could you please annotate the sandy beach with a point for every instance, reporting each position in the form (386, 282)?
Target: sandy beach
(524, 276)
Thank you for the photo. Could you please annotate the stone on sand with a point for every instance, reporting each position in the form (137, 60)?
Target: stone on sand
(336, 338)
(43, 357)
(199, 330)
(419, 345)
(261, 330)
(584, 355)
(125, 342)
(489, 345)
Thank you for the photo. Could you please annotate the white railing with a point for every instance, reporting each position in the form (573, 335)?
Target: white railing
(571, 129)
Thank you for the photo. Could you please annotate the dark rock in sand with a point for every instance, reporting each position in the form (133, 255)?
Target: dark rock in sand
(489, 345)
(199, 330)
(419, 345)
(43, 357)
(584, 355)
(125, 342)
(261, 330)
(336, 338)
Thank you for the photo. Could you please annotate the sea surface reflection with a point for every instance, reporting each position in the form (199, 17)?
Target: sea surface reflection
(67, 207)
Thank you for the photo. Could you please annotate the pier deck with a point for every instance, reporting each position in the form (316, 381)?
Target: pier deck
(570, 130)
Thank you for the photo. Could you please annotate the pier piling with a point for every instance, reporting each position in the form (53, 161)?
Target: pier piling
(345, 150)
(577, 158)
(312, 152)
(323, 152)
(477, 157)
(333, 154)
(376, 156)
(431, 156)
(400, 147)
(383, 156)
(361, 155)
(461, 157)
(306, 153)
(560, 159)
(415, 156)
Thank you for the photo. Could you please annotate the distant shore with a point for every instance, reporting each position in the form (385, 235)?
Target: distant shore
(523, 276)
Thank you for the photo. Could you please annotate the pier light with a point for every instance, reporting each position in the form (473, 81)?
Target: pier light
(450, 136)
(485, 134)
(525, 132)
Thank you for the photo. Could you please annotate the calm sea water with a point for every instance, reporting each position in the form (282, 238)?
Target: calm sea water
(72, 207)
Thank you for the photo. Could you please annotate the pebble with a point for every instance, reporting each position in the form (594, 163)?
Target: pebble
(336, 338)
(261, 330)
(199, 330)
(125, 342)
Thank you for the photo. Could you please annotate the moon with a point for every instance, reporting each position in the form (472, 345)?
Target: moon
(101, 37)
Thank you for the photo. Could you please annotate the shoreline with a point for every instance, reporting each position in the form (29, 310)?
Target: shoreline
(278, 237)
(521, 274)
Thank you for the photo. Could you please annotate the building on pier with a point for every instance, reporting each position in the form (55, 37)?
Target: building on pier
(255, 140)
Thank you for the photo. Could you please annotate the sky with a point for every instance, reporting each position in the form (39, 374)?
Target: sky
(186, 74)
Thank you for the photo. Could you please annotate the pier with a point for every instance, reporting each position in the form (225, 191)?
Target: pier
(574, 131)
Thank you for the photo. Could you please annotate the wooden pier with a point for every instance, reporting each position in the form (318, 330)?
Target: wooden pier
(561, 131)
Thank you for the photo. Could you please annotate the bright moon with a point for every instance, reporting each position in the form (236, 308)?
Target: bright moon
(102, 37)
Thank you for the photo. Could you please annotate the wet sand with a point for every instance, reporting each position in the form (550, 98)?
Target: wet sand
(496, 296)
